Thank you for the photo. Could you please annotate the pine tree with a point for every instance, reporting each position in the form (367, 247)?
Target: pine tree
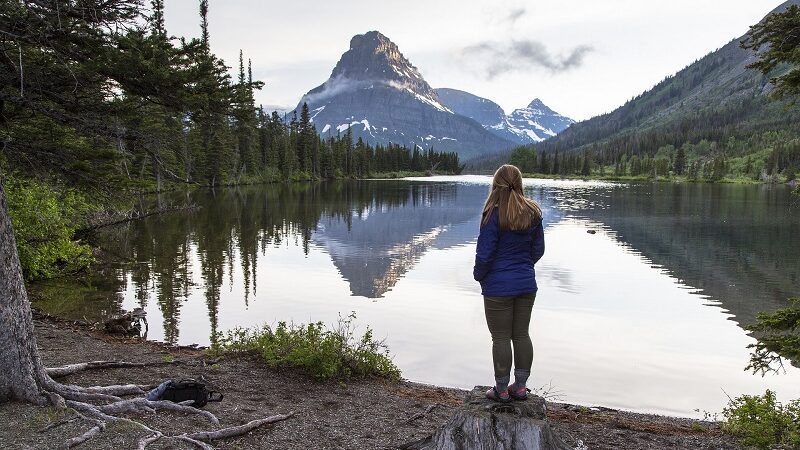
(157, 18)
(307, 137)
(586, 168)
(679, 165)
(556, 164)
(245, 121)
(204, 38)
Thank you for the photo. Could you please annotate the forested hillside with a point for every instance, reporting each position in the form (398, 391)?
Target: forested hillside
(715, 117)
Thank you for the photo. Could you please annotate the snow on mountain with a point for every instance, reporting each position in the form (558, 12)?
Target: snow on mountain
(538, 122)
(381, 97)
(532, 124)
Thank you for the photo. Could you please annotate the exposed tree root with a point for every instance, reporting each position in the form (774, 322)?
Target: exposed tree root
(99, 416)
(420, 415)
(69, 369)
(147, 440)
(59, 423)
(197, 438)
(144, 405)
(78, 440)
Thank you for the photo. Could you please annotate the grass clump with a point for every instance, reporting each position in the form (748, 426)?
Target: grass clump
(322, 352)
(762, 422)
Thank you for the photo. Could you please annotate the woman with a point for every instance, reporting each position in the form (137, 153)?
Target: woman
(511, 241)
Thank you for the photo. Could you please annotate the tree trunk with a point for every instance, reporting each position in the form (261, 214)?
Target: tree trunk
(23, 374)
(483, 424)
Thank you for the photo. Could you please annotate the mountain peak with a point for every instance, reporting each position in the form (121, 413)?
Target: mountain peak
(538, 106)
(374, 57)
(374, 41)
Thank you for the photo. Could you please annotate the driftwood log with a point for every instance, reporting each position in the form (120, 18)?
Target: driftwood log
(482, 424)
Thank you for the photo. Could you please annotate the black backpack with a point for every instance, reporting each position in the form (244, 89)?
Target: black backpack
(189, 389)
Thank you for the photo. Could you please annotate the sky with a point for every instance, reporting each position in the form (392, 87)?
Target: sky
(581, 57)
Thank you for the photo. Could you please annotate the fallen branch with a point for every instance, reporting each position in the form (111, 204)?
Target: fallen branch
(237, 430)
(69, 369)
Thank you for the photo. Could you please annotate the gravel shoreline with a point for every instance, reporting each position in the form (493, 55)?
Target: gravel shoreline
(358, 414)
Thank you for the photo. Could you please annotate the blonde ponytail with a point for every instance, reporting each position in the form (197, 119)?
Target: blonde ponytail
(516, 212)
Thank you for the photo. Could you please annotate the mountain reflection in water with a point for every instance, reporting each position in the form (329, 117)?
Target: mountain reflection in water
(258, 254)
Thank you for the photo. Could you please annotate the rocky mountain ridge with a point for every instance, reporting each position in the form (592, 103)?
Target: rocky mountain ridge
(376, 93)
(528, 125)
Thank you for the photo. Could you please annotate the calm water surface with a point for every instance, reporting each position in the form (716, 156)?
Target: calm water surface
(646, 314)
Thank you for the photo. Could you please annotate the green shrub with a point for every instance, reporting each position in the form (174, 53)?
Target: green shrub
(45, 220)
(763, 422)
(323, 353)
(790, 173)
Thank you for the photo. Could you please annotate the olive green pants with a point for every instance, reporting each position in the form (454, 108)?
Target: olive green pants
(508, 319)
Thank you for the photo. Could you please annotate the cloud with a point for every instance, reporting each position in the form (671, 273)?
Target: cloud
(491, 58)
(331, 88)
(514, 15)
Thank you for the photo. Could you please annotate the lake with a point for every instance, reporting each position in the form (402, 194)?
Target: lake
(646, 314)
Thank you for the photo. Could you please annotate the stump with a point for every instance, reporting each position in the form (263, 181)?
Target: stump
(487, 425)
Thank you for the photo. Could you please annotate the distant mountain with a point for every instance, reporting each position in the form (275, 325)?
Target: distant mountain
(280, 109)
(528, 125)
(537, 122)
(715, 98)
(383, 98)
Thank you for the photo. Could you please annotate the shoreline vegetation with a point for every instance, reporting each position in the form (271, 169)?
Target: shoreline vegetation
(689, 163)
(355, 412)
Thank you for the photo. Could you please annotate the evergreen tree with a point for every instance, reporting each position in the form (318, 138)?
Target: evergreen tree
(204, 37)
(157, 18)
(679, 165)
(636, 166)
(586, 168)
(556, 164)
(524, 157)
(307, 136)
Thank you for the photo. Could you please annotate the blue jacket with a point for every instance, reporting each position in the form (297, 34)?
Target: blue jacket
(504, 259)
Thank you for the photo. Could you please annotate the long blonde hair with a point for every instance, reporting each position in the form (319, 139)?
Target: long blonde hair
(516, 212)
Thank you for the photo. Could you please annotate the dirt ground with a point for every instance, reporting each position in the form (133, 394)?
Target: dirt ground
(362, 414)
